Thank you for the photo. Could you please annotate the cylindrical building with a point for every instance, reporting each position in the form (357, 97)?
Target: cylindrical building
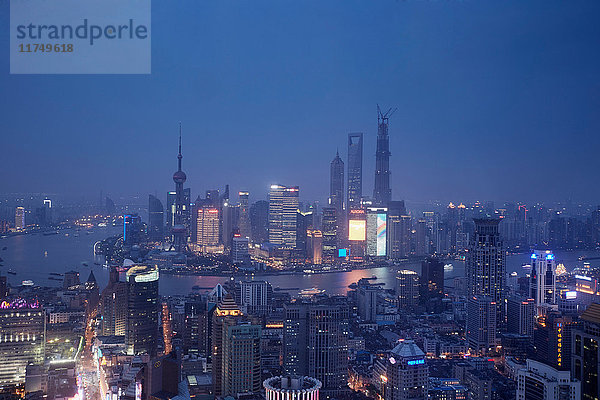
(292, 388)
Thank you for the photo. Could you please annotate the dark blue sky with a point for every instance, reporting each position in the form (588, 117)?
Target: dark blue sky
(496, 100)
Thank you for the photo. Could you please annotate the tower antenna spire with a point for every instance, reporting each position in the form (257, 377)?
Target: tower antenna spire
(179, 156)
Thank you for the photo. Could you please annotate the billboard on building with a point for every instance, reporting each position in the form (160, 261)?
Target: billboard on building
(357, 229)
(381, 234)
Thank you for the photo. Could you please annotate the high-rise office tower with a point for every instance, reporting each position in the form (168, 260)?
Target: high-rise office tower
(23, 333)
(520, 316)
(259, 221)
(244, 221)
(170, 210)
(539, 381)
(241, 358)
(179, 229)
(156, 219)
(398, 230)
(421, 241)
(407, 289)
(542, 283)
(283, 207)
(239, 249)
(197, 326)
(355, 157)
(304, 222)
(207, 224)
(20, 218)
(315, 342)
(357, 234)
(585, 365)
(433, 231)
(235, 350)
(485, 265)
(336, 184)
(552, 339)
(330, 234)
(407, 373)
(481, 324)
(113, 306)
(133, 229)
(367, 300)
(314, 246)
(256, 296)
(382, 193)
(377, 231)
(142, 310)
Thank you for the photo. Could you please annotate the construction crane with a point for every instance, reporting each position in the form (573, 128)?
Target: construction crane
(383, 117)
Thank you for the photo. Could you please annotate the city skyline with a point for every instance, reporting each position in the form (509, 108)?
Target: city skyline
(315, 200)
(501, 91)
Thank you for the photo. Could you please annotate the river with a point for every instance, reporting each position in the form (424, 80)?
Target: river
(34, 257)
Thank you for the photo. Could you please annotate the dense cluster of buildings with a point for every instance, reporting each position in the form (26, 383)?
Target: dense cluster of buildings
(490, 335)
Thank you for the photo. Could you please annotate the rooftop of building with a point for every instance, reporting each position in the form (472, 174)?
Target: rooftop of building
(407, 349)
(592, 314)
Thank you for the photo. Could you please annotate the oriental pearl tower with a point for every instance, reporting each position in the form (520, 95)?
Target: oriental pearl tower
(179, 230)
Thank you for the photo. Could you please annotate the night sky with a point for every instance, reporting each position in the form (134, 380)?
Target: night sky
(497, 100)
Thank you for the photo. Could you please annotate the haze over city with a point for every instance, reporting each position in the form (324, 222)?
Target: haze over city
(495, 102)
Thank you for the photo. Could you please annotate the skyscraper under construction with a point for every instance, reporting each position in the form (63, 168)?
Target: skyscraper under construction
(382, 194)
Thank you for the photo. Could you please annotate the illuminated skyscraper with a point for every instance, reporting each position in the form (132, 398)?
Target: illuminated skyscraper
(357, 234)
(283, 208)
(376, 232)
(179, 229)
(23, 333)
(485, 265)
(20, 218)
(336, 184)
(142, 310)
(133, 229)
(382, 194)
(355, 156)
(207, 225)
(542, 284)
(113, 306)
(235, 350)
(314, 246)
